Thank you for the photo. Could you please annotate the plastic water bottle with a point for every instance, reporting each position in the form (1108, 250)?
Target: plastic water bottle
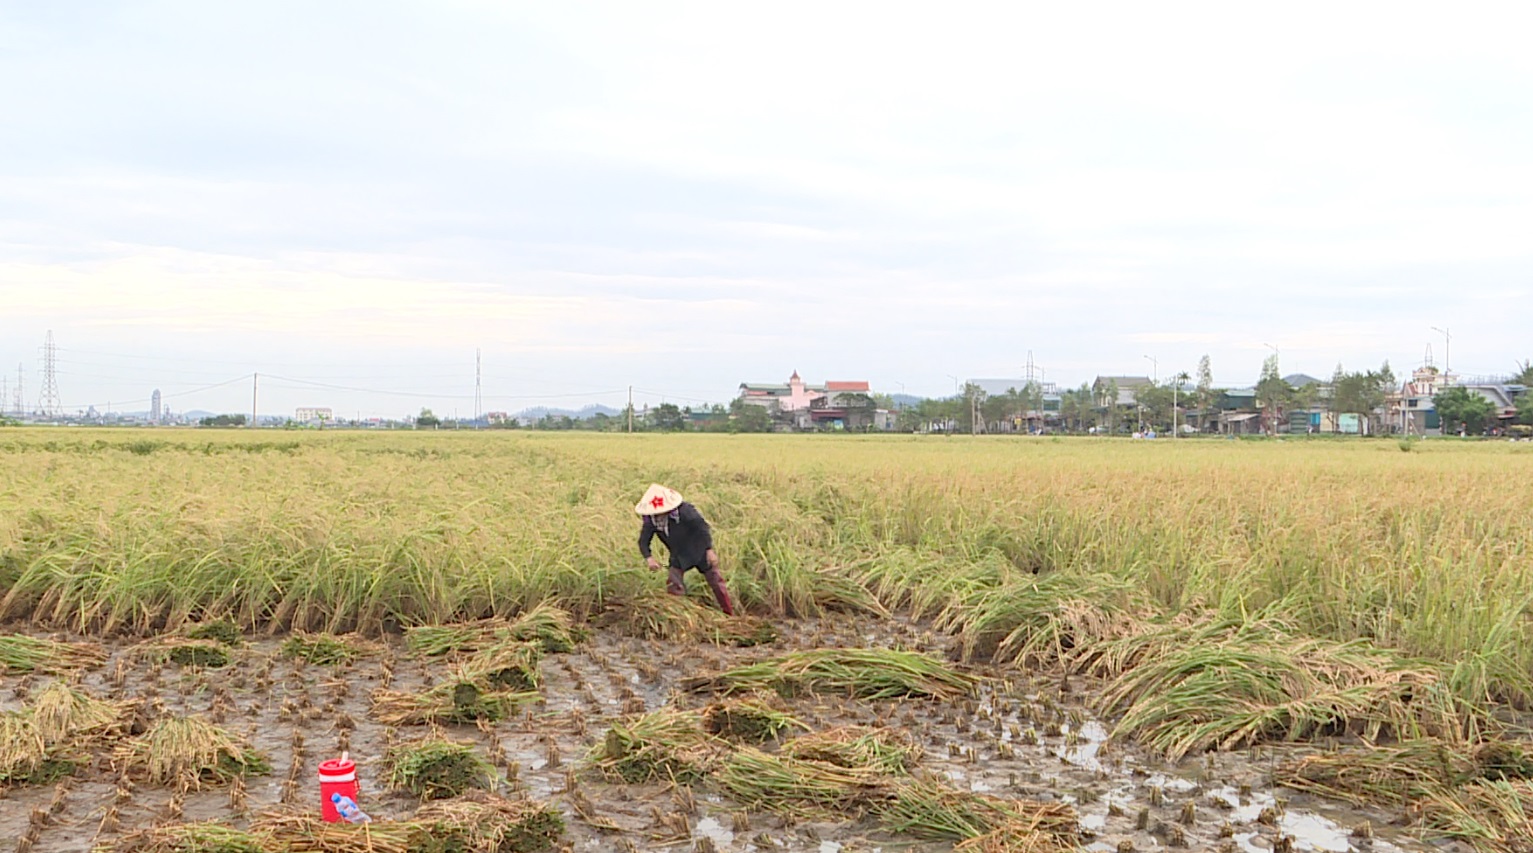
(347, 808)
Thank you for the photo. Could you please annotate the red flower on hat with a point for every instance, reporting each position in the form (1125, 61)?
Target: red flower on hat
(657, 501)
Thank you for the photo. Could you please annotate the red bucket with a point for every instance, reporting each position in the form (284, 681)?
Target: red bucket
(337, 776)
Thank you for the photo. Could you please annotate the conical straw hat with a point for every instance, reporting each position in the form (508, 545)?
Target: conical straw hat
(657, 500)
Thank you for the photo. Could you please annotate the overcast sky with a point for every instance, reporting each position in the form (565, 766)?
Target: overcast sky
(682, 197)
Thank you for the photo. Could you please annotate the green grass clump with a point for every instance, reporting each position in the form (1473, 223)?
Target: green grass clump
(748, 720)
(20, 653)
(324, 649)
(436, 768)
(858, 673)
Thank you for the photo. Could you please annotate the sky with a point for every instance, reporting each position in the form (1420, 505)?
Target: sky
(368, 204)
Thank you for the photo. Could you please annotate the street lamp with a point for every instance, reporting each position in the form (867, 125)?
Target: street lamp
(1447, 351)
(1154, 369)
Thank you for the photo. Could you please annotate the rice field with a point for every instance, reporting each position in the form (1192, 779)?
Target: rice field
(1070, 641)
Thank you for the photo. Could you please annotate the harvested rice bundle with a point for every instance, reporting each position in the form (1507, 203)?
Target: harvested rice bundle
(23, 749)
(758, 780)
(457, 701)
(221, 631)
(883, 750)
(749, 720)
(669, 745)
(485, 823)
(200, 837)
(507, 665)
(64, 714)
(187, 752)
(551, 627)
(437, 640)
(325, 649)
(932, 809)
(859, 673)
(436, 768)
(184, 651)
(674, 617)
(20, 653)
(305, 831)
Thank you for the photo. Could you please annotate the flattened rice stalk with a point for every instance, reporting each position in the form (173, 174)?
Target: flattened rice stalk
(884, 750)
(325, 649)
(759, 780)
(933, 809)
(200, 837)
(306, 831)
(456, 701)
(676, 617)
(485, 823)
(874, 673)
(748, 720)
(20, 653)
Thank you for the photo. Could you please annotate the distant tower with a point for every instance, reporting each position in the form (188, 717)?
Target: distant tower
(154, 407)
(49, 401)
(19, 397)
(478, 386)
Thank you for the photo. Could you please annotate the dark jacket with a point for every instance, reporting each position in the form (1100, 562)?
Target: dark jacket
(688, 537)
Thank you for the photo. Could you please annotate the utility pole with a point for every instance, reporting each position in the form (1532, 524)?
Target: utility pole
(20, 412)
(630, 409)
(255, 384)
(478, 388)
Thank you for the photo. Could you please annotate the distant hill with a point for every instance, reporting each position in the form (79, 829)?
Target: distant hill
(537, 413)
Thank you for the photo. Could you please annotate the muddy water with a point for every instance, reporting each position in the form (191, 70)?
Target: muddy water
(1021, 737)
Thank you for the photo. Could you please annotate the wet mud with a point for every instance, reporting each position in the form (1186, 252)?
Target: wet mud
(1024, 735)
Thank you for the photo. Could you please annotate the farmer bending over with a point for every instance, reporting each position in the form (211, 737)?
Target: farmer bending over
(685, 533)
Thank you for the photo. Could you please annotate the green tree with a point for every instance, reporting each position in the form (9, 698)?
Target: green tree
(427, 420)
(1524, 374)
(973, 399)
(1525, 407)
(666, 417)
(1463, 409)
(1206, 395)
(223, 421)
(1272, 393)
(749, 417)
(859, 409)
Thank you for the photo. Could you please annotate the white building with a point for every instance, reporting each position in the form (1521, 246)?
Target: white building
(313, 414)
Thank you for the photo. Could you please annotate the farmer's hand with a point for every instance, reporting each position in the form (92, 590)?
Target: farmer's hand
(654, 564)
(713, 559)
